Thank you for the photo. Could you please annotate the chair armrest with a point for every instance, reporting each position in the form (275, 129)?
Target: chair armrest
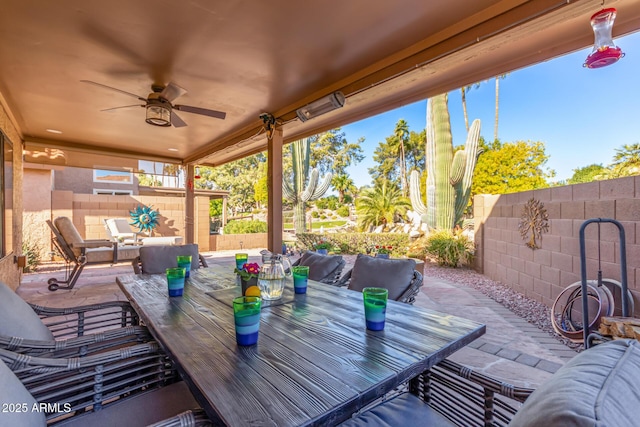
(467, 397)
(203, 262)
(78, 346)
(77, 321)
(93, 244)
(344, 280)
(409, 295)
(89, 383)
(192, 418)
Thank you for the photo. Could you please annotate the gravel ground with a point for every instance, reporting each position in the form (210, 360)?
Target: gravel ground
(530, 310)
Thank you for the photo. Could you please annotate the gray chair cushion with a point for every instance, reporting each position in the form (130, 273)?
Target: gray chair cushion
(598, 387)
(404, 410)
(392, 274)
(13, 392)
(17, 319)
(140, 410)
(156, 259)
(320, 266)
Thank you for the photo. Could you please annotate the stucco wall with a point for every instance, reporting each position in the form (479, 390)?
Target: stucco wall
(80, 180)
(541, 274)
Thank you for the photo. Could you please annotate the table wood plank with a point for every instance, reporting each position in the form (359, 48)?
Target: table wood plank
(315, 362)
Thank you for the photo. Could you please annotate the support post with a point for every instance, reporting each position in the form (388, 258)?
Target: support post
(189, 205)
(274, 183)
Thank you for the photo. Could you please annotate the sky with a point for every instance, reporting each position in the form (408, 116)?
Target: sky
(581, 115)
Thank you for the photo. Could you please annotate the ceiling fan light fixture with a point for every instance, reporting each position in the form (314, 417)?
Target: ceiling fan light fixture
(328, 103)
(158, 114)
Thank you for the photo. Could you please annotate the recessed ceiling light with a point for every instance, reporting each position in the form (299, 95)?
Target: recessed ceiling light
(173, 149)
(54, 131)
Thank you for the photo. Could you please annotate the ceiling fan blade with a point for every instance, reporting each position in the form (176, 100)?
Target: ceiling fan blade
(124, 106)
(201, 111)
(176, 121)
(172, 91)
(113, 88)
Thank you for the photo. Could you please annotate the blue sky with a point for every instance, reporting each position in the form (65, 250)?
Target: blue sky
(581, 115)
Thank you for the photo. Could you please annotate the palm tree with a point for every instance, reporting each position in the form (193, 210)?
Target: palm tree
(342, 184)
(495, 124)
(402, 136)
(463, 93)
(626, 162)
(380, 205)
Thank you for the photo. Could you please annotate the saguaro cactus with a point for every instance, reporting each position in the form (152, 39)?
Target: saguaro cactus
(298, 194)
(449, 175)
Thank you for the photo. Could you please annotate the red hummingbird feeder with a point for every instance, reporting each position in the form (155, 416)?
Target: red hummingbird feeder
(604, 52)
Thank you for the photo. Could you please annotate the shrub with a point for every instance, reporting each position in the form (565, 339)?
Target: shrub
(242, 227)
(321, 203)
(343, 211)
(32, 251)
(354, 243)
(315, 214)
(450, 249)
(323, 216)
(332, 204)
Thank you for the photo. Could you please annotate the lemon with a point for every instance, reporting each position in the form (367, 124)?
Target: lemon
(252, 291)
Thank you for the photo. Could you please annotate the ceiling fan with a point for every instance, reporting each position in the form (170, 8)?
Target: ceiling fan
(159, 107)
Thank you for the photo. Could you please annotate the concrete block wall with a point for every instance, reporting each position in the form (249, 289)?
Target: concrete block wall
(221, 242)
(541, 274)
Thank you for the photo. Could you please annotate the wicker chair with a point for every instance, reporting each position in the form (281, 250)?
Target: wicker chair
(397, 275)
(322, 268)
(79, 252)
(448, 394)
(64, 332)
(135, 387)
(156, 259)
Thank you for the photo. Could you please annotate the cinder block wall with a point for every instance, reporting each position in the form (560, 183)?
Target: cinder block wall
(541, 274)
(232, 241)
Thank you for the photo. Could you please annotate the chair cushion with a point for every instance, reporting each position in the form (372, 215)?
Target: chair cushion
(156, 259)
(404, 410)
(320, 266)
(69, 232)
(17, 319)
(392, 274)
(140, 410)
(102, 255)
(598, 387)
(13, 392)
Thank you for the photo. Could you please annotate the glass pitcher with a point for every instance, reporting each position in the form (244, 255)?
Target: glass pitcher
(271, 278)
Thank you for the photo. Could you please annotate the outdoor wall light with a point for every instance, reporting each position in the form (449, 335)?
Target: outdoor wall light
(158, 113)
(604, 52)
(323, 105)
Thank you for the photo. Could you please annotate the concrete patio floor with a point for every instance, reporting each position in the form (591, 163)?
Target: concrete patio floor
(511, 349)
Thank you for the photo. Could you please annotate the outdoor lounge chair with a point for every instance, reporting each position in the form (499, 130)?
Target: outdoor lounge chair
(79, 252)
(399, 276)
(322, 268)
(130, 389)
(66, 332)
(156, 259)
(119, 230)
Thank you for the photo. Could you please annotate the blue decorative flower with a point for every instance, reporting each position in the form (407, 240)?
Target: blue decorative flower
(145, 218)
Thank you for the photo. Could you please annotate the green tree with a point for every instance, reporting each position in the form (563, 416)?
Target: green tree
(148, 180)
(511, 167)
(380, 205)
(261, 187)
(236, 177)
(586, 174)
(386, 156)
(626, 161)
(343, 184)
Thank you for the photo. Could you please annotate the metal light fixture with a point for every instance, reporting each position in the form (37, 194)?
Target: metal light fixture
(323, 105)
(158, 113)
(604, 52)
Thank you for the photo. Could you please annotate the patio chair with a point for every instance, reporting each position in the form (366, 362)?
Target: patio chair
(156, 259)
(119, 230)
(65, 332)
(79, 252)
(322, 268)
(114, 389)
(399, 276)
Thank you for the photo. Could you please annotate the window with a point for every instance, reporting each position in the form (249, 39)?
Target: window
(6, 196)
(112, 192)
(112, 177)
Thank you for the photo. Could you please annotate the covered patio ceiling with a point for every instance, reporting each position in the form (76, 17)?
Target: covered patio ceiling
(247, 57)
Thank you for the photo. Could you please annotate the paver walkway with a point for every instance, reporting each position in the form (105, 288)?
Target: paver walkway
(512, 348)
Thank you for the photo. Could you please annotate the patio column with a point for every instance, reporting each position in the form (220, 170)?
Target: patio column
(224, 211)
(189, 205)
(274, 184)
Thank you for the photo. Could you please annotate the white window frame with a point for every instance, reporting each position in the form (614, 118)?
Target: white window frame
(101, 181)
(111, 192)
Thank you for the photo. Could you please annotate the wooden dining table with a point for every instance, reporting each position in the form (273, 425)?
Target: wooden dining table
(315, 362)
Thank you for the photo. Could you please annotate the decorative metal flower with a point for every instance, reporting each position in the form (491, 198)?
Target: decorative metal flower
(145, 218)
